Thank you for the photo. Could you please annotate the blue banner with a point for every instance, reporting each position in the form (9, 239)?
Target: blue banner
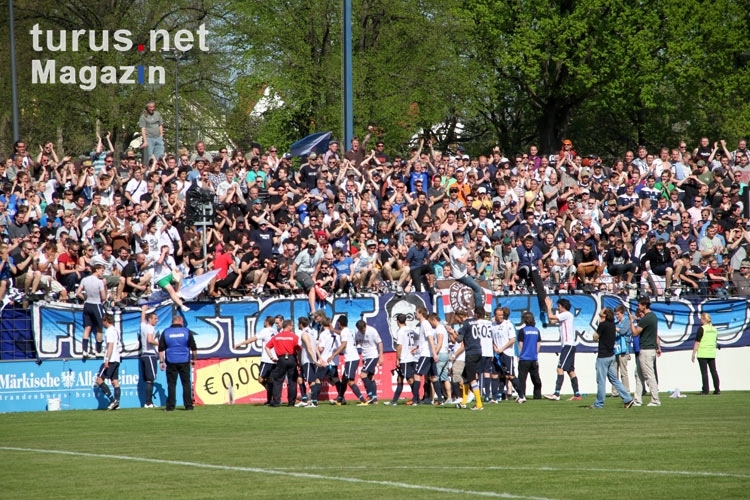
(69, 384)
(221, 325)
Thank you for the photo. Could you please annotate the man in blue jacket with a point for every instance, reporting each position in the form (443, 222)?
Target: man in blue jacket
(177, 352)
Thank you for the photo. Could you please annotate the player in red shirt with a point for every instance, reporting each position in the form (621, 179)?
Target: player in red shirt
(284, 349)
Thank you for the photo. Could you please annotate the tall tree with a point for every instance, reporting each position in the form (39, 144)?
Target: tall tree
(71, 114)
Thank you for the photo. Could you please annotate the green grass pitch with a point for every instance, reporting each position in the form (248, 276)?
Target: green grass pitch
(696, 447)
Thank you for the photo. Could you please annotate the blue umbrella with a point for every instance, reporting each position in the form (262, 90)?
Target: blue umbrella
(314, 142)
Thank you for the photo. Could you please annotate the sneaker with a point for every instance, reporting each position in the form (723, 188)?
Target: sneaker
(311, 404)
(630, 403)
(333, 402)
(494, 401)
(575, 398)
(372, 401)
(410, 403)
(391, 403)
(553, 397)
(636, 403)
(521, 401)
(460, 406)
(148, 405)
(301, 404)
(84, 355)
(363, 403)
(654, 403)
(478, 408)
(115, 404)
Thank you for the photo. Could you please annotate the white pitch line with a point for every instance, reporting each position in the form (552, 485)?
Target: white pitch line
(547, 469)
(258, 470)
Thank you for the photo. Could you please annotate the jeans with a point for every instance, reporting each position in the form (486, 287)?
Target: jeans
(478, 292)
(155, 147)
(605, 369)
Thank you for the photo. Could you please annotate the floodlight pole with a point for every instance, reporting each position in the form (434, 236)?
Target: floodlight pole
(347, 93)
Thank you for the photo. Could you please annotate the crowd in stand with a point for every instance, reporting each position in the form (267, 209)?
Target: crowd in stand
(367, 219)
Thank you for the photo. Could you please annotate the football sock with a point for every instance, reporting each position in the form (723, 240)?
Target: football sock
(315, 389)
(99, 346)
(371, 387)
(105, 390)
(340, 388)
(356, 391)
(574, 383)
(516, 386)
(85, 345)
(303, 390)
(117, 393)
(269, 391)
(149, 392)
(399, 388)
(558, 384)
(415, 390)
(477, 394)
(495, 388)
(464, 393)
(438, 390)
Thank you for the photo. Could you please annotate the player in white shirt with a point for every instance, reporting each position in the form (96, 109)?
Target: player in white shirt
(442, 377)
(314, 366)
(488, 370)
(406, 348)
(351, 362)
(266, 363)
(566, 363)
(149, 353)
(328, 346)
(503, 340)
(308, 341)
(427, 363)
(109, 370)
(369, 341)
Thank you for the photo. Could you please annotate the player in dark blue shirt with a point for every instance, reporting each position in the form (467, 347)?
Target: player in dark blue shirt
(470, 335)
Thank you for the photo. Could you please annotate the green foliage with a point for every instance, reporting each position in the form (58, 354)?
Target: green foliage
(71, 116)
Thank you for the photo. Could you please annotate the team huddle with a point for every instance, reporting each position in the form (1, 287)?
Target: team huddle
(443, 365)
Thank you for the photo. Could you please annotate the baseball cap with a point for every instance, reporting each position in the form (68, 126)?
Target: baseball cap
(287, 156)
(507, 240)
(513, 203)
(745, 263)
(701, 163)
(459, 170)
(568, 141)
(465, 157)
(444, 233)
(482, 190)
(257, 201)
(585, 172)
(312, 156)
(321, 234)
(200, 160)
(371, 243)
